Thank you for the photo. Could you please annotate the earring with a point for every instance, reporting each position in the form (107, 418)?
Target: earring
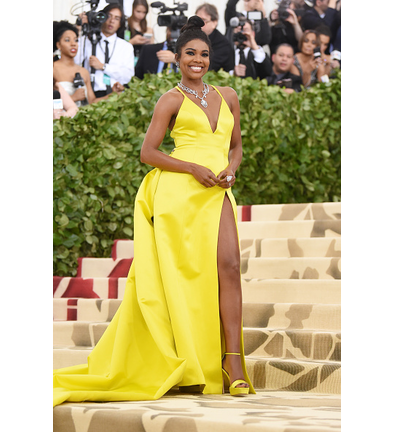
(178, 64)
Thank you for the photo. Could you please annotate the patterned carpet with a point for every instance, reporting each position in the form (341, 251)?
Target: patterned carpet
(292, 330)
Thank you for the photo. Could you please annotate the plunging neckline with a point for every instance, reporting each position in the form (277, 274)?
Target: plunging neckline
(201, 109)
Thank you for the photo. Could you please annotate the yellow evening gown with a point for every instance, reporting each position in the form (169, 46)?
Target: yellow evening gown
(167, 330)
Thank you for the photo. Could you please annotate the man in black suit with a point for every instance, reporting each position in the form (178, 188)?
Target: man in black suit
(250, 58)
(155, 58)
(223, 55)
(283, 59)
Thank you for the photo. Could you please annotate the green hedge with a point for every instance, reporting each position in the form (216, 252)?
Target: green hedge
(291, 146)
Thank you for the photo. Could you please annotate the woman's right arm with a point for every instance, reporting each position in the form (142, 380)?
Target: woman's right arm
(165, 111)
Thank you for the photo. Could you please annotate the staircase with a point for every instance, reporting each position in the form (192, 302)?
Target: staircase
(290, 265)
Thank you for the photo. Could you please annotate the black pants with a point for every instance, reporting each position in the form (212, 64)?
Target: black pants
(100, 93)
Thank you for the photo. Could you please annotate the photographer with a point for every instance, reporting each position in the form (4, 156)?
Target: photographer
(250, 58)
(261, 27)
(156, 58)
(285, 26)
(308, 63)
(223, 49)
(283, 59)
(323, 12)
(114, 59)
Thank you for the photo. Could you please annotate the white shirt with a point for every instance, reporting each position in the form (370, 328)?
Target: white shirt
(120, 67)
(259, 54)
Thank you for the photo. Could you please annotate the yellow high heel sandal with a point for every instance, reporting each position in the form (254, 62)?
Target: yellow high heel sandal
(233, 389)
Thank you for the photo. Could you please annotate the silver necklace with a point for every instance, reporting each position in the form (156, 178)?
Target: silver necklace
(194, 92)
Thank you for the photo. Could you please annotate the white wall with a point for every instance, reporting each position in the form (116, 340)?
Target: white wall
(62, 10)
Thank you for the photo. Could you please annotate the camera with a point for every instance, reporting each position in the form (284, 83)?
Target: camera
(285, 83)
(238, 37)
(317, 52)
(283, 14)
(95, 21)
(173, 21)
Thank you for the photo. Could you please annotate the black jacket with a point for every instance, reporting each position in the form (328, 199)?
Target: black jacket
(296, 80)
(148, 60)
(223, 56)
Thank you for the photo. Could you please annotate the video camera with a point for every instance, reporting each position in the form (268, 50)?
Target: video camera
(95, 21)
(173, 21)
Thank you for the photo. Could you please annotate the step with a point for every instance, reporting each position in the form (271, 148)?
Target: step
(77, 333)
(267, 411)
(97, 287)
(289, 316)
(309, 211)
(293, 344)
(122, 248)
(294, 375)
(103, 267)
(290, 268)
(79, 309)
(289, 229)
(324, 291)
(291, 247)
(291, 374)
(64, 356)
(87, 334)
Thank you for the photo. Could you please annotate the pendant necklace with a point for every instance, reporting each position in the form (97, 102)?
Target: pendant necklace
(194, 92)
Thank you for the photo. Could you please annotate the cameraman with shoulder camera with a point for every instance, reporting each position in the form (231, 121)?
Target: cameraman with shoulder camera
(260, 24)
(250, 58)
(114, 59)
(285, 25)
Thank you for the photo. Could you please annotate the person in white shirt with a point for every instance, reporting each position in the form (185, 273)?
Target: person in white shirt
(114, 59)
(250, 58)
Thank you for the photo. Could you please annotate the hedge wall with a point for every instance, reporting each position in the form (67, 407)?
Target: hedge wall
(291, 146)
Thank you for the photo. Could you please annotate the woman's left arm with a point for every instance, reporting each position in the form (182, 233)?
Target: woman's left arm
(235, 149)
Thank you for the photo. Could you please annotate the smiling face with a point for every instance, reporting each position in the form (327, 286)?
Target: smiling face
(194, 59)
(68, 44)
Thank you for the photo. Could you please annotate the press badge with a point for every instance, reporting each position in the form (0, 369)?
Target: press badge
(106, 80)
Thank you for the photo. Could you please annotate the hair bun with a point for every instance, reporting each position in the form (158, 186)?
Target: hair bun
(194, 22)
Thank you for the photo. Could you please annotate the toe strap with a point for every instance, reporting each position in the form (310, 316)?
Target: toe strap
(237, 382)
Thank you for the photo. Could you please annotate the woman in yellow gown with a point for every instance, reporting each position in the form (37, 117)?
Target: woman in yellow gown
(180, 322)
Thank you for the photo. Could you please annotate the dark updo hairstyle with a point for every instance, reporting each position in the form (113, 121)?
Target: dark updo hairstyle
(59, 27)
(192, 30)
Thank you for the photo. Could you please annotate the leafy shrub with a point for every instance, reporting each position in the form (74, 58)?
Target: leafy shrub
(291, 154)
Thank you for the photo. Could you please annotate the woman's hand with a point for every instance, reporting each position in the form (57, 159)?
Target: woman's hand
(138, 40)
(224, 178)
(204, 176)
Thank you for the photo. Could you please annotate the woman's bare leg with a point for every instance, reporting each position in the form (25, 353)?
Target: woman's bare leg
(230, 300)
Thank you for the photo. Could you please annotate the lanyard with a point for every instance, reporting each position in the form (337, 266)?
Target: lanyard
(113, 49)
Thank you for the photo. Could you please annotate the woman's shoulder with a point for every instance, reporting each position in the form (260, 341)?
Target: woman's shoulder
(229, 94)
(172, 99)
(226, 91)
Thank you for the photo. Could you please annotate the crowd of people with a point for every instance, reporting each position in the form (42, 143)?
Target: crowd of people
(296, 45)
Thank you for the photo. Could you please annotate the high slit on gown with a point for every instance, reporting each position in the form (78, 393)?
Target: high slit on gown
(167, 330)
